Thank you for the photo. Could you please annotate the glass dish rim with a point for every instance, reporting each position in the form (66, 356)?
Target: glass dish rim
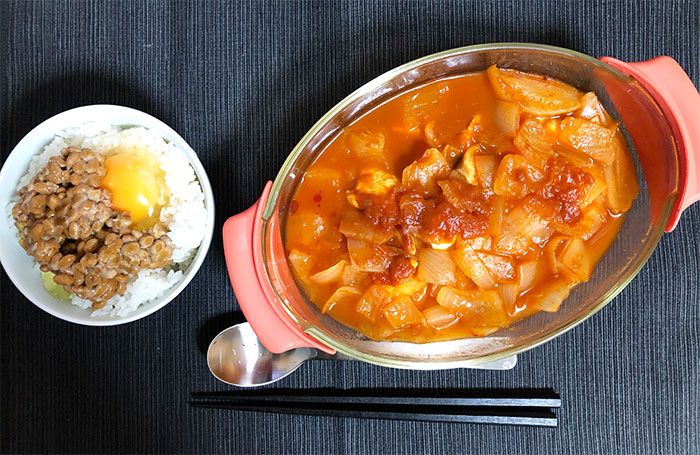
(343, 348)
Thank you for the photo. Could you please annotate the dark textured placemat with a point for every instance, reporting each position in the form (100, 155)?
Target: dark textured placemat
(242, 82)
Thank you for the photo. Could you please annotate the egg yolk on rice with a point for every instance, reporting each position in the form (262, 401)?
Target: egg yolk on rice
(137, 184)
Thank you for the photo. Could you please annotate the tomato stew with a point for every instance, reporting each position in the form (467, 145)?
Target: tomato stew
(459, 207)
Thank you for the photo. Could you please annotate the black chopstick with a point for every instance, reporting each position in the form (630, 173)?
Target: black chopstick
(470, 415)
(499, 411)
(398, 401)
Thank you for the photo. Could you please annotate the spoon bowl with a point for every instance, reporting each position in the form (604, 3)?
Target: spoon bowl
(237, 357)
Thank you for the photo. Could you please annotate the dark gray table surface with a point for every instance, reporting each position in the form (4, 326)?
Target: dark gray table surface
(242, 82)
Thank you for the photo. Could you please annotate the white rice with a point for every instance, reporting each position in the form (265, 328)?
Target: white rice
(185, 216)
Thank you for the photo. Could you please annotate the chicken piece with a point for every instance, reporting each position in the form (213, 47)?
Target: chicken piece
(452, 154)
(467, 166)
(376, 182)
(426, 171)
(373, 182)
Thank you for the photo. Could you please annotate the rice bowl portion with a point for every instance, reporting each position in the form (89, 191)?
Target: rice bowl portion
(181, 216)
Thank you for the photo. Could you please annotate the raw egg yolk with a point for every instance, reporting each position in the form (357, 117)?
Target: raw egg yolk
(137, 184)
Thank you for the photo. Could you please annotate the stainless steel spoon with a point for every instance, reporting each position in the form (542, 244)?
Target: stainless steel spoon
(237, 357)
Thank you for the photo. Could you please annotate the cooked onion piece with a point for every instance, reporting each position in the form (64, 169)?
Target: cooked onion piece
(435, 266)
(536, 94)
(331, 274)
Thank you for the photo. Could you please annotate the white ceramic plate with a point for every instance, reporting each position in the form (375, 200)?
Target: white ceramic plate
(20, 267)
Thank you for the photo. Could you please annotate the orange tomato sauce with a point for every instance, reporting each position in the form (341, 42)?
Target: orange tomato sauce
(460, 207)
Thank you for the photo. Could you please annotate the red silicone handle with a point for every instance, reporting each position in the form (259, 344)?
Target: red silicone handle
(679, 100)
(242, 247)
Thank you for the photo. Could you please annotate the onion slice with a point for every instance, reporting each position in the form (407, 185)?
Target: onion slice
(345, 295)
(439, 317)
(539, 95)
(508, 293)
(550, 295)
(436, 266)
(468, 261)
(402, 312)
(467, 301)
(369, 257)
(331, 274)
(526, 273)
